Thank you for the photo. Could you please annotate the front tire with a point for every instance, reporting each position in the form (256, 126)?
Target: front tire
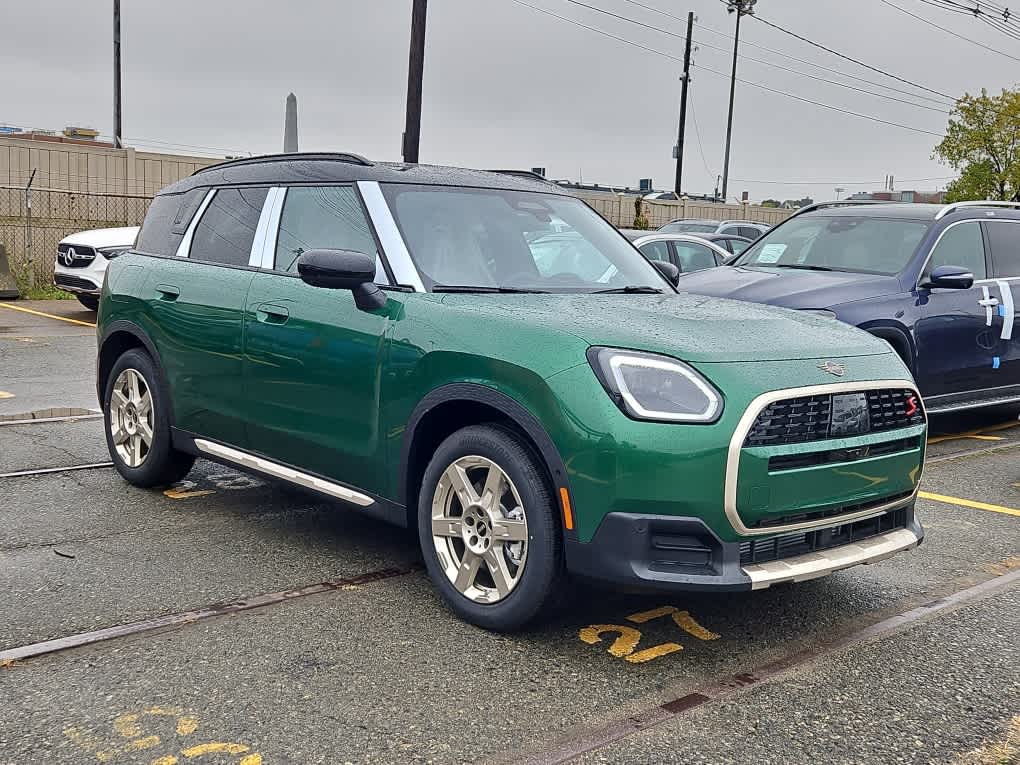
(138, 426)
(488, 529)
(89, 301)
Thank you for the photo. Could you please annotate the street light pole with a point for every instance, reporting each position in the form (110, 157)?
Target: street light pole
(741, 8)
(117, 133)
(415, 73)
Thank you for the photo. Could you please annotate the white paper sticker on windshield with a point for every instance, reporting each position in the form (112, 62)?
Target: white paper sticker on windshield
(771, 253)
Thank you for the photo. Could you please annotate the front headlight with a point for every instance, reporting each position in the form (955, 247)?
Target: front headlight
(647, 386)
(111, 252)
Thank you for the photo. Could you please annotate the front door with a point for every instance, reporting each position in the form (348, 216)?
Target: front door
(197, 302)
(955, 340)
(312, 358)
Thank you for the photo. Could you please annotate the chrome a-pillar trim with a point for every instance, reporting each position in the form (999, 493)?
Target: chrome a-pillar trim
(184, 248)
(822, 562)
(746, 422)
(397, 255)
(283, 472)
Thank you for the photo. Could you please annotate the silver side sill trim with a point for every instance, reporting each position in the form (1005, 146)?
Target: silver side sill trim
(285, 473)
(824, 562)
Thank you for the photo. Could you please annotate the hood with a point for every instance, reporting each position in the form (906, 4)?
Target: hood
(788, 287)
(689, 327)
(104, 237)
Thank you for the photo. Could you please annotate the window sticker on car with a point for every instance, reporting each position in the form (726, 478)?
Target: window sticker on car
(771, 253)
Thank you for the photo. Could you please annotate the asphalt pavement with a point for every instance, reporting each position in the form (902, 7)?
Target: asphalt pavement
(373, 669)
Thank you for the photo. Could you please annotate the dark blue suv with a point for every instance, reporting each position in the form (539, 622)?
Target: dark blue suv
(941, 283)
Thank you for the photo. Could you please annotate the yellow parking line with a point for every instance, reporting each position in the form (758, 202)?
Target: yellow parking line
(968, 503)
(5, 394)
(47, 315)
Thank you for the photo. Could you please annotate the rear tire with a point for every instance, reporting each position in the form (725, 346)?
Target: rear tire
(89, 301)
(489, 529)
(135, 407)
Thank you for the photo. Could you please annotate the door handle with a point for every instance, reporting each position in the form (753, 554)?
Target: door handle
(268, 313)
(168, 292)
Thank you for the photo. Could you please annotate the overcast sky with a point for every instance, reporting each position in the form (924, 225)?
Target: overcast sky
(506, 86)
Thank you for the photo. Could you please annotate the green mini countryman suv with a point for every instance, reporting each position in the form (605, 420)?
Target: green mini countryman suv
(481, 357)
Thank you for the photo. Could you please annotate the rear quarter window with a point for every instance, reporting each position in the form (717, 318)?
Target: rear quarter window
(167, 220)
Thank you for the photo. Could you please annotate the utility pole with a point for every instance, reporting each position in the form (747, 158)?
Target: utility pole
(29, 265)
(683, 104)
(415, 72)
(741, 8)
(117, 132)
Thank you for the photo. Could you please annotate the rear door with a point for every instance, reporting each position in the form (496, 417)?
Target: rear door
(312, 359)
(197, 300)
(1004, 246)
(956, 336)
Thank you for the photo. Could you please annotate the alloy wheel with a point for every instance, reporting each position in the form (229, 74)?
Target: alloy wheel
(479, 529)
(131, 418)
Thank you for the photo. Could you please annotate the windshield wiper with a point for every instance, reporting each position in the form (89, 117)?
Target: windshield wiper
(630, 289)
(483, 288)
(803, 266)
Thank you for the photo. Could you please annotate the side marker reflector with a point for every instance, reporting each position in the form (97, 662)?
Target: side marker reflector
(568, 515)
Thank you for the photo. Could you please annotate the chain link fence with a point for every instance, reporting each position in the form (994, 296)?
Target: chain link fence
(30, 236)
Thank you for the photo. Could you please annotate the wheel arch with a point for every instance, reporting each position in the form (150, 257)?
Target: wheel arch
(457, 405)
(119, 337)
(898, 337)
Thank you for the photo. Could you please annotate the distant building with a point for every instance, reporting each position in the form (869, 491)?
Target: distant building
(644, 189)
(919, 197)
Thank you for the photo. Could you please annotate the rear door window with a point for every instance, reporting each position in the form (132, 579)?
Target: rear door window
(694, 257)
(961, 245)
(656, 251)
(226, 230)
(322, 217)
(1004, 241)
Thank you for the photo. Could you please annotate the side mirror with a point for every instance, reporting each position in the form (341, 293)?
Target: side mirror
(671, 272)
(950, 277)
(343, 270)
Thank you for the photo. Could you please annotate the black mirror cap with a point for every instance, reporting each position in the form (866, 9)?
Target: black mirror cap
(336, 269)
(950, 277)
(343, 270)
(668, 270)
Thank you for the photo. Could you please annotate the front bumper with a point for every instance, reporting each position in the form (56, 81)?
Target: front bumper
(79, 285)
(658, 552)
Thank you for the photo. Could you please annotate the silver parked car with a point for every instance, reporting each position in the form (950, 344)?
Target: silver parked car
(748, 229)
(685, 251)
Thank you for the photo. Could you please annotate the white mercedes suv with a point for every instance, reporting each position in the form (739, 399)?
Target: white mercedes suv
(82, 259)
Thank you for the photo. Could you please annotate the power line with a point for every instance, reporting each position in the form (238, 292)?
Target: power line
(757, 60)
(850, 58)
(697, 132)
(948, 31)
(844, 183)
(713, 71)
(941, 101)
(598, 31)
(824, 105)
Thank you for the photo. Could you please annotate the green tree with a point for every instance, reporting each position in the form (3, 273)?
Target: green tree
(982, 143)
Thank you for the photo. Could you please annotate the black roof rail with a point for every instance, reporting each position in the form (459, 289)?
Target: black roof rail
(354, 159)
(524, 174)
(840, 203)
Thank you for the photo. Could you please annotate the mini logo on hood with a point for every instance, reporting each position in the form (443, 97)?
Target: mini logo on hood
(833, 368)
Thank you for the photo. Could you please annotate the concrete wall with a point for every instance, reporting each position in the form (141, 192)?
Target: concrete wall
(92, 169)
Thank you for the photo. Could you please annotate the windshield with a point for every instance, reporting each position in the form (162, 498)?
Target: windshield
(514, 241)
(838, 243)
(681, 227)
